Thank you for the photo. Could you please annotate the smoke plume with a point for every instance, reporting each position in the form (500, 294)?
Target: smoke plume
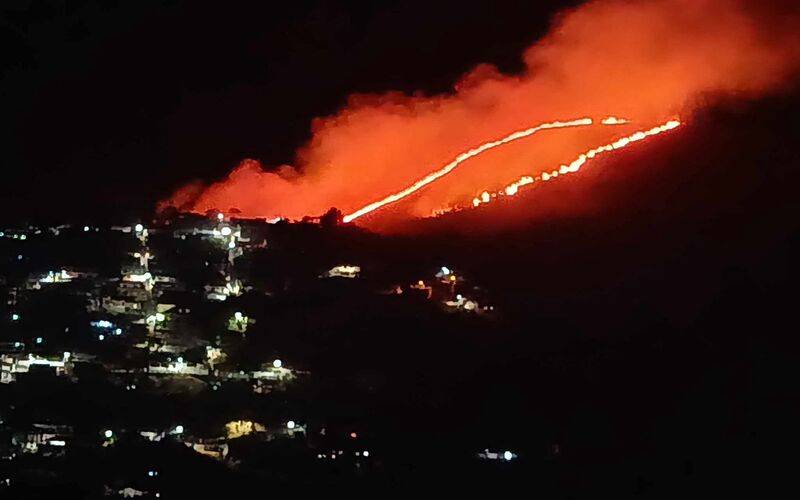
(645, 60)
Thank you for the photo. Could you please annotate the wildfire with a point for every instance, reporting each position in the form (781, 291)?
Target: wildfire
(671, 58)
(513, 188)
(433, 176)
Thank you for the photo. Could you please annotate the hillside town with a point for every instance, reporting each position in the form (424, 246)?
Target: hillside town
(106, 328)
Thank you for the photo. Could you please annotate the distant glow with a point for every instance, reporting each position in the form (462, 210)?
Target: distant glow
(445, 270)
(101, 337)
(160, 317)
(238, 316)
(39, 340)
(108, 433)
(225, 231)
(15, 317)
(365, 453)
(85, 229)
(118, 331)
(139, 228)
(508, 455)
(290, 424)
(220, 216)
(277, 363)
(23, 236)
(57, 442)
(178, 429)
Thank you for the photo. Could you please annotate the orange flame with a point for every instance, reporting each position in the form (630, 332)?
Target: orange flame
(460, 159)
(580, 161)
(647, 60)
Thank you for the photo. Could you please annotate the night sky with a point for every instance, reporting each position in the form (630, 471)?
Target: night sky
(109, 106)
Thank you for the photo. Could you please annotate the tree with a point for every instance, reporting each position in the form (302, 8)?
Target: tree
(332, 218)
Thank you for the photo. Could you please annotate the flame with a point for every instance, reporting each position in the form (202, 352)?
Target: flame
(580, 161)
(581, 122)
(648, 60)
(613, 120)
(392, 198)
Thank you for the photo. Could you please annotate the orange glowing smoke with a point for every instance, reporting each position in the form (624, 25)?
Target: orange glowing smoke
(646, 60)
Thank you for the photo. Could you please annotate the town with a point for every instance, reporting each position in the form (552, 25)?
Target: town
(122, 341)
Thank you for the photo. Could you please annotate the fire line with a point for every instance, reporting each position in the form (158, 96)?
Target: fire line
(513, 188)
(392, 198)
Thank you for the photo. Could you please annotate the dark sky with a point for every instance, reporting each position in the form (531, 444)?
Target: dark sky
(108, 106)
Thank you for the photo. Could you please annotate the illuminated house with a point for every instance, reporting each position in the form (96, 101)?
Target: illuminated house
(120, 306)
(178, 367)
(214, 448)
(20, 363)
(44, 439)
(342, 271)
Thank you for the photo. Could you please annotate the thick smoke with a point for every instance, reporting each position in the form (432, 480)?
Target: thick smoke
(648, 61)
